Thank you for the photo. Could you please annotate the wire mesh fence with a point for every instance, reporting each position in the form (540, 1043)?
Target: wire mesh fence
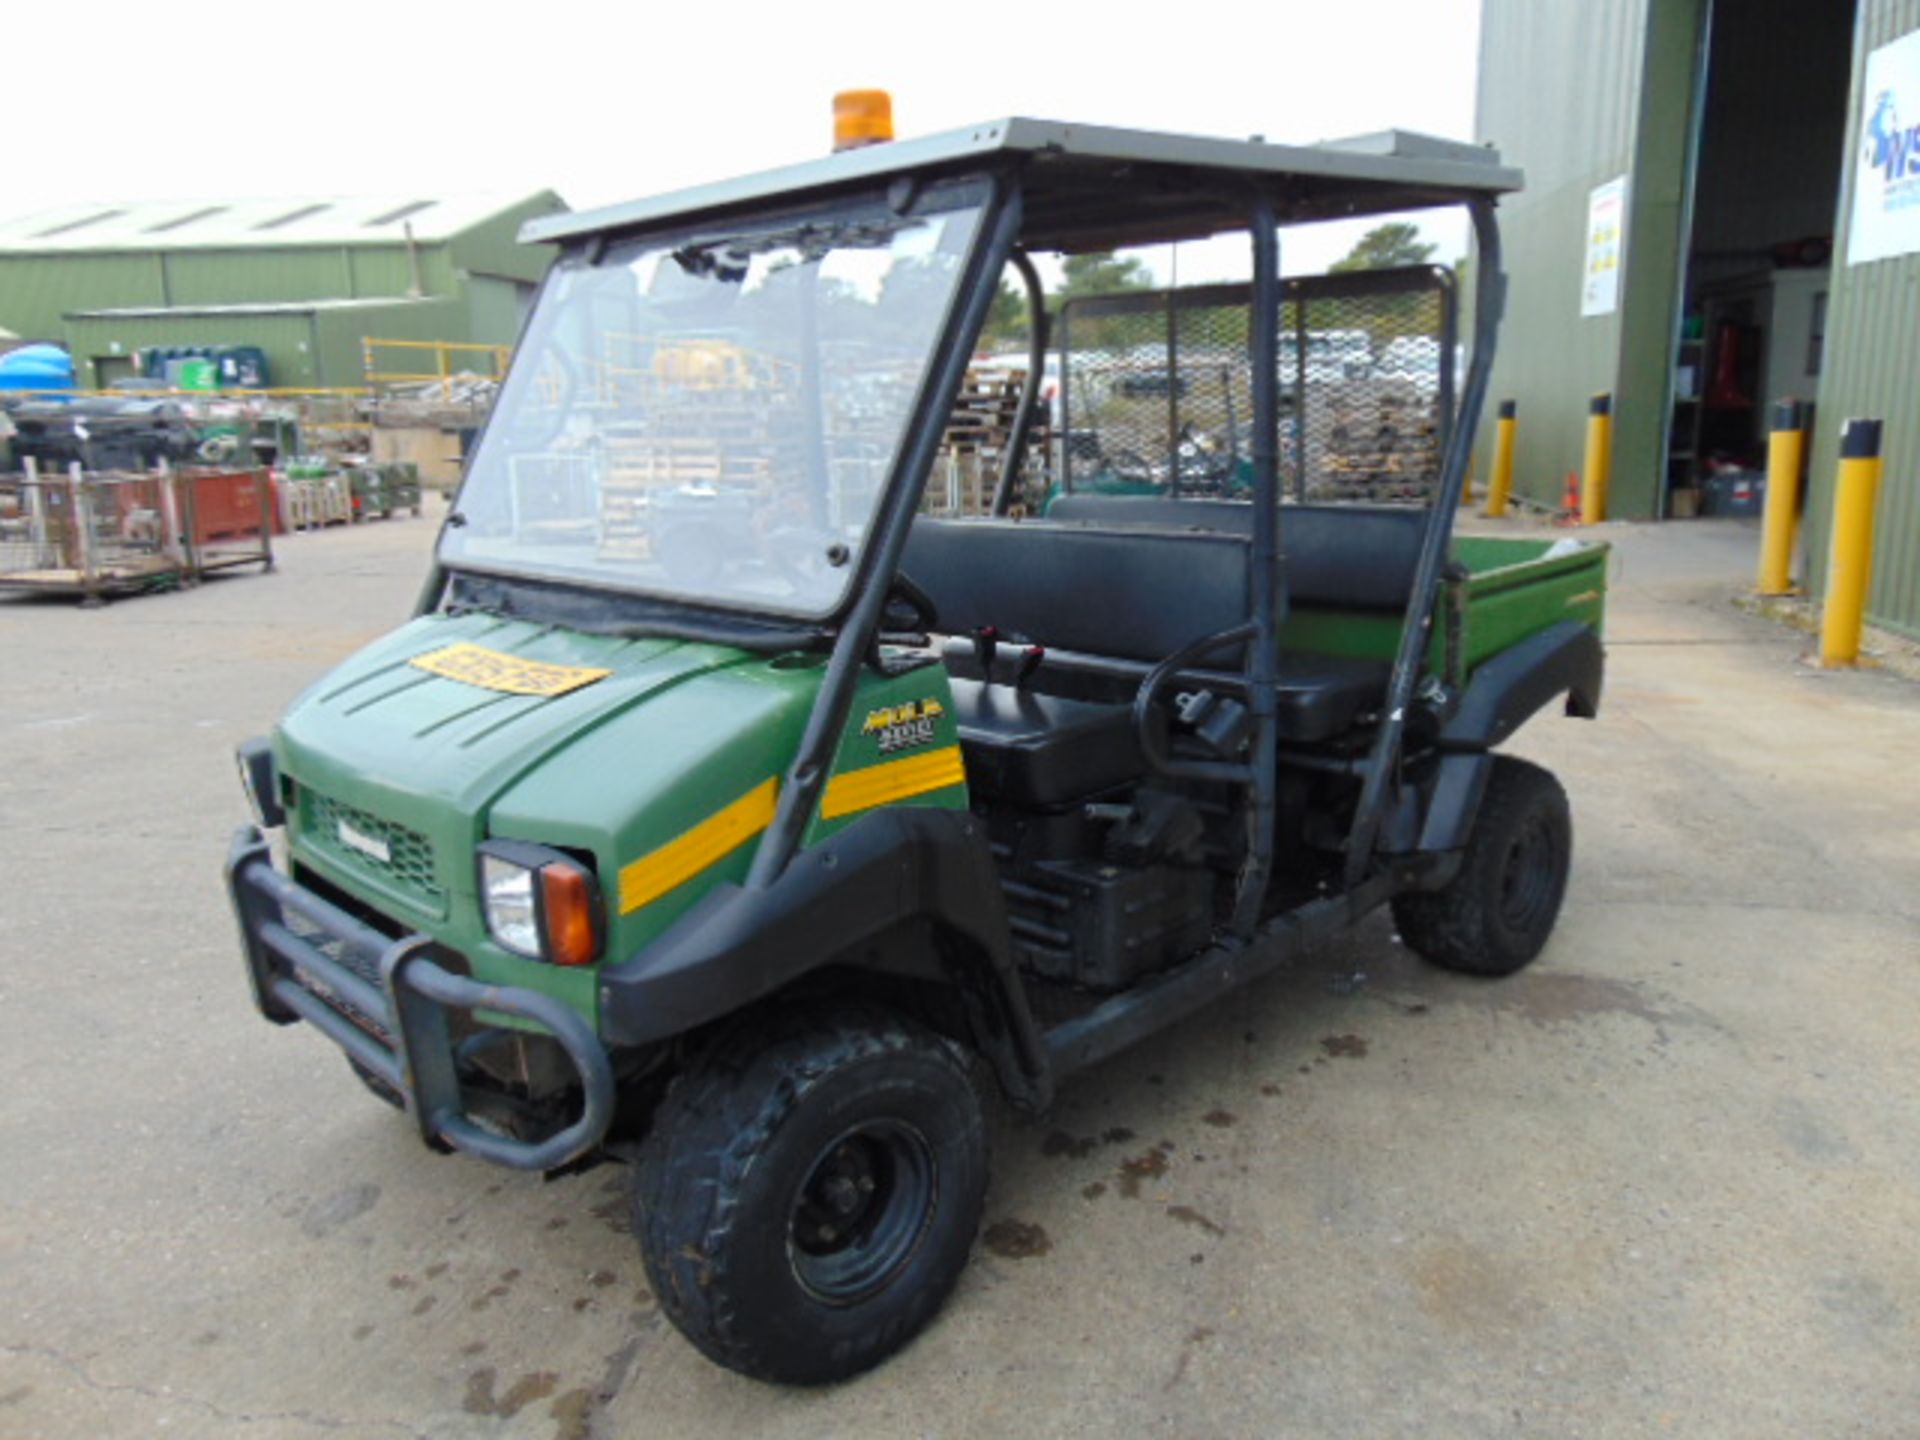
(1156, 388)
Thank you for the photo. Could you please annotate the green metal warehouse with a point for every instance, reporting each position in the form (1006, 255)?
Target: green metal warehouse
(1722, 210)
(303, 280)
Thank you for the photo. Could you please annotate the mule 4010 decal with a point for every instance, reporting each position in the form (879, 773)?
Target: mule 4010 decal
(901, 727)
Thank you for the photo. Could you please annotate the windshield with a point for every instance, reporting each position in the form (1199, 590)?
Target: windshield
(714, 420)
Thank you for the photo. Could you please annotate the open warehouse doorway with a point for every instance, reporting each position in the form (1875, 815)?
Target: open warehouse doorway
(1763, 184)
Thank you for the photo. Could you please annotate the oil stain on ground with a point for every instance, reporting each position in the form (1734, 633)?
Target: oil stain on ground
(1076, 1147)
(1187, 1215)
(1352, 1047)
(480, 1399)
(1549, 998)
(613, 1211)
(1466, 1287)
(1016, 1240)
(1197, 1336)
(349, 1203)
(1147, 1165)
(576, 1411)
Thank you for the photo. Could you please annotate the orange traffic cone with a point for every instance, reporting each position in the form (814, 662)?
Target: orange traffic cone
(1570, 506)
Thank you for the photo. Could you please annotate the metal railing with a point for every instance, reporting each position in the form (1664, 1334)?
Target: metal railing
(444, 369)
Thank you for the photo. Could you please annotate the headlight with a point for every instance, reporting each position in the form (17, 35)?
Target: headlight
(540, 903)
(259, 779)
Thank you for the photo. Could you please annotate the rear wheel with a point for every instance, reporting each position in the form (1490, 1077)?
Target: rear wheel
(1496, 914)
(809, 1192)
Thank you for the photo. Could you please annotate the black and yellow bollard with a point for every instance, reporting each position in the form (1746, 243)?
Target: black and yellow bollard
(1500, 482)
(1850, 561)
(1785, 448)
(1599, 460)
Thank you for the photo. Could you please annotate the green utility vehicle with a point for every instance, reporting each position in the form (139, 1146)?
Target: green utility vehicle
(722, 813)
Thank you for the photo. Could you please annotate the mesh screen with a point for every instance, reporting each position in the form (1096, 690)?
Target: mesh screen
(1158, 398)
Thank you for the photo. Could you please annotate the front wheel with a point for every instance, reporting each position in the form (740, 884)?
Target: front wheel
(1495, 915)
(809, 1191)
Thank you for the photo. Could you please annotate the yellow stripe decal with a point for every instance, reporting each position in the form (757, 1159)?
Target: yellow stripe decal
(493, 670)
(685, 856)
(854, 790)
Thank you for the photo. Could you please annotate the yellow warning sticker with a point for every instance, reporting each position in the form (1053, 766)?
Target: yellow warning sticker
(493, 670)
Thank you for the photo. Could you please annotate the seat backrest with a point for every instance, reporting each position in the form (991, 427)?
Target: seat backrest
(1336, 557)
(1139, 594)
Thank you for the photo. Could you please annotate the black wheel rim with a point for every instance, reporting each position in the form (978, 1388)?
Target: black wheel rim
(862, 1211)
(1530, 876)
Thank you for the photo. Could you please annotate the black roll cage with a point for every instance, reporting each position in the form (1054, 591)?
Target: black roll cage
(850, 635)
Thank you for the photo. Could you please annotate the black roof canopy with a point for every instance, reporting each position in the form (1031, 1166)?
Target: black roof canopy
(1092, 187)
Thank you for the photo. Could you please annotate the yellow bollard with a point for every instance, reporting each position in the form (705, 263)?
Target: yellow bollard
(1785, 447)
(1850, 562)
(1599, 461)
(1500, 482)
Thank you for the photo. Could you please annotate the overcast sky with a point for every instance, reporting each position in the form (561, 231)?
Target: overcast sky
(115, 101)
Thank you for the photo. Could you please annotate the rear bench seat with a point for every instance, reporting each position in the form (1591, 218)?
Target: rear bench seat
(1337, 557)
(1108, 604)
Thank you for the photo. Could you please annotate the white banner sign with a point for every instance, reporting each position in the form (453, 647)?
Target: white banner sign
(1606, 239)
(1886, 167)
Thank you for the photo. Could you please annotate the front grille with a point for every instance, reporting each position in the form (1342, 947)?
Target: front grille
(388, 851)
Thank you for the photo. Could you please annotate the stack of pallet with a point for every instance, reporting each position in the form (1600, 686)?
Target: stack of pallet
(983, 413)
(696, 444)
(979, 431)
(1381, 442)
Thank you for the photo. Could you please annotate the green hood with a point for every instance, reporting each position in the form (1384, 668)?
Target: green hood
(400, 773)
(419, 738)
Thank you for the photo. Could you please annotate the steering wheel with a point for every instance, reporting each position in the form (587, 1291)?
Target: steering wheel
(908, 600)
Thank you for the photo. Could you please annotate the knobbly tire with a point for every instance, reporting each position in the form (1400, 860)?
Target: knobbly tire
(1496, 914)
(809, 1190)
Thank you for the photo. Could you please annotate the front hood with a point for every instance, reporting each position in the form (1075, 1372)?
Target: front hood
(380, 721)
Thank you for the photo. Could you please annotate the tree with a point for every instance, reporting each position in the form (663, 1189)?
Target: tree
(1006, 326)
(1101, 272)
(1384, 247)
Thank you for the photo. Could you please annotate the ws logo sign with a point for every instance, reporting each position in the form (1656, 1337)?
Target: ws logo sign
(1885, 219)
(1891, 149)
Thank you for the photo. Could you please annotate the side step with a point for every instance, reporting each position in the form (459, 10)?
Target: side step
(1131, 1016)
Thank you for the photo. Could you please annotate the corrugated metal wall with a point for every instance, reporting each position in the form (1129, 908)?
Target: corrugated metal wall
(343, 331)
(1872, 361)
(493, 248)
(1559, 97)
(36, 291)
(254, 277)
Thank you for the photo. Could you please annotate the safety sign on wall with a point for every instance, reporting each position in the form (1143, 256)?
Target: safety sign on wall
(1886, 165)
(1606, 242)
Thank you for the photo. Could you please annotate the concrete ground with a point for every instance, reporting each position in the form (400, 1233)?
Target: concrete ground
(1665, 1182)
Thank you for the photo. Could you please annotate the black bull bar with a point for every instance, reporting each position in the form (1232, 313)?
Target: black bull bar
(397, 1030)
